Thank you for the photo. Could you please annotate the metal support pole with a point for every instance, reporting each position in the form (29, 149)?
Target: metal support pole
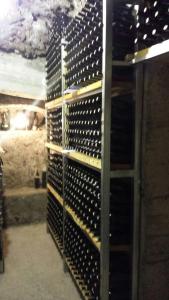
(63, 179)
(63, 72)
(63, 65)
(106, 127)
(47, 165)
(137, 177)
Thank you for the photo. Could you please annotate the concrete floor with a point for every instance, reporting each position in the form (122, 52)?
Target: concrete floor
(33, 267)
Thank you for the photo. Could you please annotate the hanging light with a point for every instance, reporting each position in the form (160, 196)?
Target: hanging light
(20, 121)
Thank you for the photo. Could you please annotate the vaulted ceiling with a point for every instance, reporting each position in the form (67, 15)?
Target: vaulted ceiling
(24, 24)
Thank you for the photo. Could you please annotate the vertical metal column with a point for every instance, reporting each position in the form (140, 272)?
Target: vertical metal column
(47, 165)
(63, 72)
(106, 127)
(63, 65)
(137, 177)
(139, 88)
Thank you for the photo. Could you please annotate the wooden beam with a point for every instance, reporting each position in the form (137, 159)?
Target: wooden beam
(8, 100)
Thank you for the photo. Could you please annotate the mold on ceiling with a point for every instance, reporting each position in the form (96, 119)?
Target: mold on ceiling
(25, 24)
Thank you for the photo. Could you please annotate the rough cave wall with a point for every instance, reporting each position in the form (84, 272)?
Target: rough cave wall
(24, 152)
(24, 30)
(154, 276)
(25, 24)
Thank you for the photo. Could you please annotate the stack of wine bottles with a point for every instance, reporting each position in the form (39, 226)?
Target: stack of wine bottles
(152, 23)
(82, 194)
(84, 45)
(123, 31)
(122, 130)
(120, 276)
(61, 20)
(121, 211)
(53, 67)
(53, 56)
(54, 126)
(55, 172)
(1, 218)
(55, 217)
(83, 256)
(1, 196)
(84, 126)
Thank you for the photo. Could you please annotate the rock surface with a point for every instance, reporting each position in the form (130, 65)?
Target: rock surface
(24, 153)
(24, 25)
(25, 206)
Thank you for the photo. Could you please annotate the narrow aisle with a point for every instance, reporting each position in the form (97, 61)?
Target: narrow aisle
(34, 268)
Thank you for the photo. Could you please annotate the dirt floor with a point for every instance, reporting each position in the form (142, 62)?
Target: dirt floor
(33, 267)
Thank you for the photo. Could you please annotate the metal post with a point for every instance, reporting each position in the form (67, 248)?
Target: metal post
(64, 165)
(63, 65)
(47, 166)
(106, 127)
(137, 177)
(63, 72)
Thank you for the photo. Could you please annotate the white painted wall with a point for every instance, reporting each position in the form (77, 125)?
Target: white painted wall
(22, 77)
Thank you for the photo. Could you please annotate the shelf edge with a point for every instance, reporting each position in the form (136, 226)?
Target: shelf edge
(54, 147)
(55, 194)
(54, 103)
(84, 90)
(79, 282)
(149, 53)
(86, 159)
(83, 227)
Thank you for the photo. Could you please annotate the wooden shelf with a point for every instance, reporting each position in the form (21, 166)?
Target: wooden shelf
(74, 155)
(78, 280)
(55, 194)
(95, 240)
(83, 91)
(72, 96)
(53, 104)
(54, 147)
(84, 159)
(118, 88)
(150, 53)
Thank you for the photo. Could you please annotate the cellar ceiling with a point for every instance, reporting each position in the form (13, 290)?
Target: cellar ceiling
(24, 24)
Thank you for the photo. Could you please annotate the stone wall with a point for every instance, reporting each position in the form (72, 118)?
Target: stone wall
(24, 152)
(25, 206)
(154, 275)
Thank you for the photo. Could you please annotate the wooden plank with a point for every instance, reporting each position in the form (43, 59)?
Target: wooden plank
(79, 282)
(53, 104)
(87, 160)
(55, 194)
(82, 226)
(85, 90)
(54, 147)
(149, 53)
(118, 88)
